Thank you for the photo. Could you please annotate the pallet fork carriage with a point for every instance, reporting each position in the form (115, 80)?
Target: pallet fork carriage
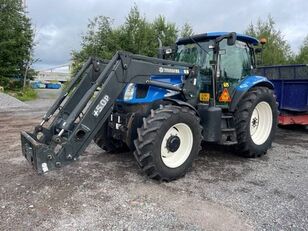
(81, 109)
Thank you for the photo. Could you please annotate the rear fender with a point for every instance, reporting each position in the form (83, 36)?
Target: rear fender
(181, 104)
(245, 85)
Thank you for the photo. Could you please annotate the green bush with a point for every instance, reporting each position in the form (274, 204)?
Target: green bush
(27, 94)
(4, 82)
(14, 87)
(10, 84)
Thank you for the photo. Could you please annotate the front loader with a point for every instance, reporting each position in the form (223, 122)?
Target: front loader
(161, 109)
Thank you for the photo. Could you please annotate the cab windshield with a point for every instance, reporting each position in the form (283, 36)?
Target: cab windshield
(234, 61)
(192, 53)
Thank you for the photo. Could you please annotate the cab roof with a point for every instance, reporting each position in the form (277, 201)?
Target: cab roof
(213, 35)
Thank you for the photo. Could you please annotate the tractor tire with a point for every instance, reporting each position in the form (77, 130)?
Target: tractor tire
(109, 144)
(256, 122)
(168, 142)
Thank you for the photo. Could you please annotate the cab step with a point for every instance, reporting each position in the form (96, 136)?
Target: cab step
(228, 130)
(229, 143)
(226, 116)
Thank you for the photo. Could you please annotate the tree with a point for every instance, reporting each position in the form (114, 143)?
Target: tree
(136, 35)
(164, 30)
(276, 50)
(101, 40)
(186, 30)
(16, 39)
(302, 57)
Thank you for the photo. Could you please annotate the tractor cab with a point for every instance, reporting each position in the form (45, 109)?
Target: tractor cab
(224, 60)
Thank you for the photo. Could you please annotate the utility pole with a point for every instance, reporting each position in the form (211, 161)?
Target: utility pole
(24, 4)
(25, 76)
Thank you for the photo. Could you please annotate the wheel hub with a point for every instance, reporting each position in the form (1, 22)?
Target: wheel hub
(254, 122)
(176, 145)
(173, 143)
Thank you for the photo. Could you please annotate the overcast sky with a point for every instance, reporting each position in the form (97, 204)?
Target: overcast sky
(60, 23)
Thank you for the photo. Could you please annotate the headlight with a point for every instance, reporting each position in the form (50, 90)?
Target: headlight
(129, 92)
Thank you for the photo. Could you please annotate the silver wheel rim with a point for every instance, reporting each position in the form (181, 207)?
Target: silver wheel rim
(261, 123)
(177, 158)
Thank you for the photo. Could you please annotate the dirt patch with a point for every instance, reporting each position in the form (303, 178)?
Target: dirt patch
(103, 192)
(9, 103)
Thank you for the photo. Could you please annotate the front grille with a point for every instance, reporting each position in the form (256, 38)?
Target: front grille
(142, 91)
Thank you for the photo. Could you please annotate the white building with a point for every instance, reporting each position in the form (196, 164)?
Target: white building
(56, 74)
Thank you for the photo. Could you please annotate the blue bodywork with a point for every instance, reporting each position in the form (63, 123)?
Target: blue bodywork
(213, 35)
(247, 83)
(240, 37)
(250, 81)
(156, 93)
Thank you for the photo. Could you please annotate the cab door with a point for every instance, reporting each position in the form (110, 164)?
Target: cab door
(234, 64)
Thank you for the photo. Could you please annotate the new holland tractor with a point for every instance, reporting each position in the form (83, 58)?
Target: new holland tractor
(161, 109)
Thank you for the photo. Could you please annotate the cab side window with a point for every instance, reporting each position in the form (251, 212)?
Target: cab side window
(235, 61)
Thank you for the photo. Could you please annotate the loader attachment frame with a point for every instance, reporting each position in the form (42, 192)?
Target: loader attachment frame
(80, 111)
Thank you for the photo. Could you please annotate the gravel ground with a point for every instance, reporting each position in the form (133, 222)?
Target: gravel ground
(109, 192)
(9, 103)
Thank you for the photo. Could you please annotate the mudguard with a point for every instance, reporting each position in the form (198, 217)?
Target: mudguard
(182, 104)
(244, 86)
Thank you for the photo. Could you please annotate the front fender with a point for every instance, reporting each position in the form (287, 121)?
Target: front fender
(245, 85)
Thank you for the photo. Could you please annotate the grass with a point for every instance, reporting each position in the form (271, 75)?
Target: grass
(25, 95)
(14, 88)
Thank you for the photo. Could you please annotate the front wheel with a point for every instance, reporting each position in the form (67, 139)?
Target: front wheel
(256, 122)
(168, 142)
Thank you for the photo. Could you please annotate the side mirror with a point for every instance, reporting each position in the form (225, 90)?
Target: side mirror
(259, 62)
(258, 50)
(231, 39)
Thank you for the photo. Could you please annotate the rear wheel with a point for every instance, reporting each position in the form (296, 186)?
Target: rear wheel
(256, 122)
(168, 142)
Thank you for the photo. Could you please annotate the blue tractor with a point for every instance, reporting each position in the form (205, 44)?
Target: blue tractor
(161, 109)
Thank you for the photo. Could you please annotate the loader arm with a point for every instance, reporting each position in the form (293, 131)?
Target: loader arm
(81, 110)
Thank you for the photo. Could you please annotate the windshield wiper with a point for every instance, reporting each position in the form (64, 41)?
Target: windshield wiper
(191, 38)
